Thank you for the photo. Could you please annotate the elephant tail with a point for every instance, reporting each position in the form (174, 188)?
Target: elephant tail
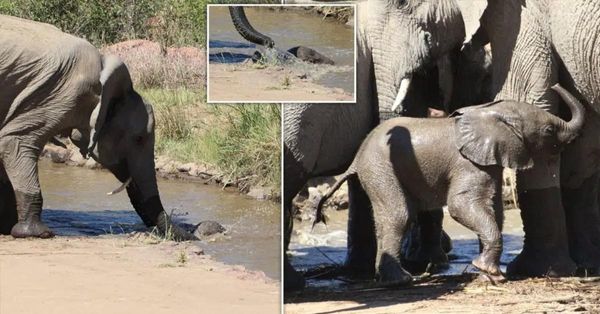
(320, 217)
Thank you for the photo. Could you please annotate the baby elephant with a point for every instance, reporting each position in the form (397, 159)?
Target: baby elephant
(407, 165)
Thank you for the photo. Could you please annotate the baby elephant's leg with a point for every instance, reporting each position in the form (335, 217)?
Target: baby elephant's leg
(391, 215)
(478, 210)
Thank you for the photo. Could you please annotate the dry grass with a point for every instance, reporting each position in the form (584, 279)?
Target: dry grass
(150, 67)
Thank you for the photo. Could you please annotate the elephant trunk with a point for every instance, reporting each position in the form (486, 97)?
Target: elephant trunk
(243, 27)
(570, 129)
(153, 214)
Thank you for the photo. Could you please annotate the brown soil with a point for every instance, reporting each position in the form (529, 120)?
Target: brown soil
(457, 294)
(231, 83)
(125, 274)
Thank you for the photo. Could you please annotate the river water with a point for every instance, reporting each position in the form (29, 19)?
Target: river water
(288, 28)
(75, 203)
(326, 244)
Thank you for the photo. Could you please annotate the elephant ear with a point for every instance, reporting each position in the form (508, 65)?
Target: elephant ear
(488, 135)
(116, 84)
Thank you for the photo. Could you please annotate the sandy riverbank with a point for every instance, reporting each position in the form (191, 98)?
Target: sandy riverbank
(245, 82)
(125, 274)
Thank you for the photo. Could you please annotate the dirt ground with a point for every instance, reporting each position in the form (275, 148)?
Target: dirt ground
(125, 274)
(457, 294)
(229, 82)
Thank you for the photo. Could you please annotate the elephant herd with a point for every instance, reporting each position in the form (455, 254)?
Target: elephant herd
(417, 55)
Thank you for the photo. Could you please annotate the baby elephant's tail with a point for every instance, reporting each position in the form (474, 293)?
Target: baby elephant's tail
(320, 217)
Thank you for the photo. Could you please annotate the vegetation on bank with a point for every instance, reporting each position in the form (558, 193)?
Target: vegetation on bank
(103, 22)
(241, 141)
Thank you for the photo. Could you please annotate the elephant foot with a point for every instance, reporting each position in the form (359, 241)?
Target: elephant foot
(390, 276)
(490, 270)
(390, 272)
(540, 264)
(292, 280)
(31, 229)
(587, 257)
(431, 261)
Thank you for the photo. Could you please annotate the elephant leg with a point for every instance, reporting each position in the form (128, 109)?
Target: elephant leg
(293, 181)
(483, 220)
(21, 167)
(424, 249)
(8, 204)
(545, 247)
(583, 224)
(362, 245)
(391, 212)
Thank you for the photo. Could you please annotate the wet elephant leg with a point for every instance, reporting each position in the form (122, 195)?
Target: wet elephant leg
(362, 245)
(294, 179)
(545, 248)
(8, 204)
(425, 248)
(20, 163)
(583, 224)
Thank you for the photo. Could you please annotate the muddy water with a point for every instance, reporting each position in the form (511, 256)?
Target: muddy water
(326, 245)
(288, 29)
(75, 203)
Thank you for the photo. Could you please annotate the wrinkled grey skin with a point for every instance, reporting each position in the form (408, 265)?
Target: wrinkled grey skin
(395, 39)
(53, 83)
(535, 44)
(409, 165)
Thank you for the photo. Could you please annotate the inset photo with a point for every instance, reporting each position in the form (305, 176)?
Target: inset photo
(281, 53)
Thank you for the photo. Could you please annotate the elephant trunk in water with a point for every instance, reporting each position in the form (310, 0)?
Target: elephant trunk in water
(242, 25)
(569, 130)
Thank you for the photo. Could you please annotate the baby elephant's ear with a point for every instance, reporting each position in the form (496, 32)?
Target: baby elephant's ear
(488, 135)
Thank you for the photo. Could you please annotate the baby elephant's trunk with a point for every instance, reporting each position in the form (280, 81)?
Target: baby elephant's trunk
(570, 130)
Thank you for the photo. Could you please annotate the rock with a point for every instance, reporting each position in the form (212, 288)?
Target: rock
(208, 228)
(76, 159)
(259, 193)
(57, 154)
(185, 167)
(92, 164)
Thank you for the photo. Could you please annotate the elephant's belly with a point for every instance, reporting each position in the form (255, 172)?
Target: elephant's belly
(428, 195)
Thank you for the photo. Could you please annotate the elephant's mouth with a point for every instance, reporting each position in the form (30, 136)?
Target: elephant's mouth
(417, 91)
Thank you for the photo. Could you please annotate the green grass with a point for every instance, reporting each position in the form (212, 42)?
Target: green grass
(241, 141)
(103, 22)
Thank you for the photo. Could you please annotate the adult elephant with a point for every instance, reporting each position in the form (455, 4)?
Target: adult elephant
(535, 44)
(52, 82)
(406, 52)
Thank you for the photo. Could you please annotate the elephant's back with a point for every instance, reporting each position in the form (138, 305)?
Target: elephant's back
(40, 66)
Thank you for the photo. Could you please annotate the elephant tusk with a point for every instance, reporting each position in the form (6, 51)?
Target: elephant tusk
(402, 91)
(121, 188)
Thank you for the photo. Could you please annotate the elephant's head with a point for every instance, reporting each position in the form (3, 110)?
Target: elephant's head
(412, 43)
(513, 134)
(121, 138)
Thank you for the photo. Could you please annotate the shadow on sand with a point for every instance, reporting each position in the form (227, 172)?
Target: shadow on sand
(321, 267)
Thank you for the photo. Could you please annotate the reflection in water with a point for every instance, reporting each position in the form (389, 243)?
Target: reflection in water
(288, 29)
(326, 245)
(75, 203)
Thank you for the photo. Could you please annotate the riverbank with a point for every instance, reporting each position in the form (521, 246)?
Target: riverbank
(272, 83)
(126, 273)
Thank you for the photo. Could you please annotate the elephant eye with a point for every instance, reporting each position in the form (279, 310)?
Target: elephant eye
(548, 130)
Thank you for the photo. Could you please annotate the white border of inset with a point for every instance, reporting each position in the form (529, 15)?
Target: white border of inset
(208, 101)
